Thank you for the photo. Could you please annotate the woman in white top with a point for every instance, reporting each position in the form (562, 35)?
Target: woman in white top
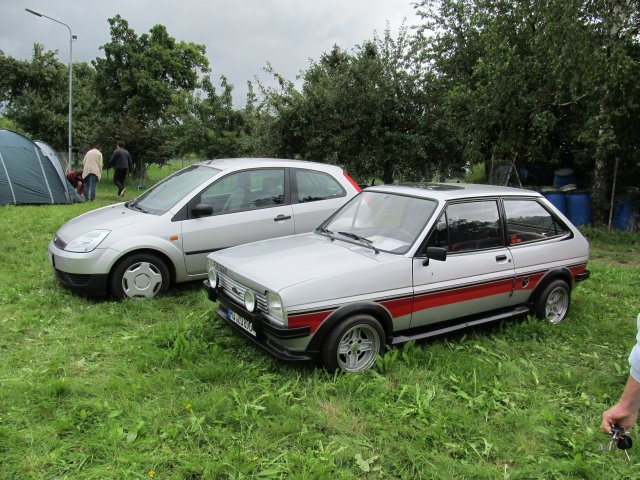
(91, 172)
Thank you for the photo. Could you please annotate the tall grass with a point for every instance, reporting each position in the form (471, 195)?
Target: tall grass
(100, 389)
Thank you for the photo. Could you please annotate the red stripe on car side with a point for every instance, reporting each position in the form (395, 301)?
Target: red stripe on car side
(447, 297)
(532, 282)
(312, 320)
(400, 307)
(578, 269)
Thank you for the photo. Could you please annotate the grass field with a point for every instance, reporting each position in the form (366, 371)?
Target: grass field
(101, 390)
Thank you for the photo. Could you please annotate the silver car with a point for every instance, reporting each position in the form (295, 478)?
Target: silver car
(138, 248)
(400, 263)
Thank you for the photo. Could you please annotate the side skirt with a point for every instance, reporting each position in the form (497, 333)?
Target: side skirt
(398, 339)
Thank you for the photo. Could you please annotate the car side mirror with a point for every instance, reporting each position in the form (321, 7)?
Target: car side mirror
(202, 210)
(435, 253)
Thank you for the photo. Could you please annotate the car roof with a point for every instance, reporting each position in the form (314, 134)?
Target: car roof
(450, 191)
(245, 163)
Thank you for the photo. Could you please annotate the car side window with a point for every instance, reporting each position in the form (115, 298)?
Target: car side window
(440, 233)
(313, 186)
(246, 190)
(468, 226)
(529, 221)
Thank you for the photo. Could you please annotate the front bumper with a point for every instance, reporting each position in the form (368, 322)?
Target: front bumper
(85, 274)
(266, 335)
(89, 285)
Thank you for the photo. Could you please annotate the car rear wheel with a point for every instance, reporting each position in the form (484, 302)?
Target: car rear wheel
(354, 344)
(553, 303)
(140, 276)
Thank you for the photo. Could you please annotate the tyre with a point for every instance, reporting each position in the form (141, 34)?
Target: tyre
(553, 303)
(354, 344)
(141, 276)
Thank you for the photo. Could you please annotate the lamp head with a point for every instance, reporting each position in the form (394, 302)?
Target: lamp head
(33, 12)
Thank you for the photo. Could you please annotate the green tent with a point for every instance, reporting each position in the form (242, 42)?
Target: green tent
(28, 175)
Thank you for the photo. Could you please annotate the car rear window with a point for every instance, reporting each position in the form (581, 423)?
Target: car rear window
(529, 221)
(313, 186)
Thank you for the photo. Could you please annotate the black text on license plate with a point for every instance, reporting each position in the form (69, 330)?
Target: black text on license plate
(241, 322)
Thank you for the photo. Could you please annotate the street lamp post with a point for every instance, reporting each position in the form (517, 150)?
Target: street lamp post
(72, 37)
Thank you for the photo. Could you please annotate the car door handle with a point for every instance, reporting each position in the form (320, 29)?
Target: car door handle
(501, 258)
(281, 217)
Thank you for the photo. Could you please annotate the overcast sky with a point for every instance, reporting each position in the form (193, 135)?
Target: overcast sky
(240, 36)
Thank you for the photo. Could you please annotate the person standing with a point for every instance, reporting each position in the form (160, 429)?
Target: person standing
(625, 412)
(120, 161)
(91, 172)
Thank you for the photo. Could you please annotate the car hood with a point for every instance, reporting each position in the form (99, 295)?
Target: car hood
(112, 217)
(309, 262)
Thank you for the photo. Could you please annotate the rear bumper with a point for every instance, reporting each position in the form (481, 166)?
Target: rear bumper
(582, 276)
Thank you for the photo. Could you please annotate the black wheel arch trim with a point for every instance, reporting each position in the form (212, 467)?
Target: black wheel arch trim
(376, 310)
(560, 273)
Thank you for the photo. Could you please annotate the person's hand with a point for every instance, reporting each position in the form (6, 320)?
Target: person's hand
(618, 414)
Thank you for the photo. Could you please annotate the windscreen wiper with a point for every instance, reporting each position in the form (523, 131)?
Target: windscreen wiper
(135, 205)
(326, 231)
(363, 241)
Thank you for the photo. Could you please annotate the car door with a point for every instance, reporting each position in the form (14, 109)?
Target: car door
(477, 275)
(247, 206)
(314, 196)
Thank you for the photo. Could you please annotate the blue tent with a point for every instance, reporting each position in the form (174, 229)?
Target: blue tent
(28, 176)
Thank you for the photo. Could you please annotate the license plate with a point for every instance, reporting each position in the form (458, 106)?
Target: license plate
(241, 322)
(52, 260)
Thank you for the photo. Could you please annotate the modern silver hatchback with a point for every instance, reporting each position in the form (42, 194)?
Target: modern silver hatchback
(138, 248)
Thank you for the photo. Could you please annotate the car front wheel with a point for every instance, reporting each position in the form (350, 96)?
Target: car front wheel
(354, 344)
(140, 276)
(553, 303)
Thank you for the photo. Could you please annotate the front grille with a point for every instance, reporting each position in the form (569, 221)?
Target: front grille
(75, 279)
(235, 291)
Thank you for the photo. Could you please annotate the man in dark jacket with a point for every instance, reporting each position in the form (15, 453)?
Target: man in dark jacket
(120, 161)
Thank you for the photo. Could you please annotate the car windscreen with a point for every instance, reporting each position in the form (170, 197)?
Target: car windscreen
(386, 221)
(164, 195)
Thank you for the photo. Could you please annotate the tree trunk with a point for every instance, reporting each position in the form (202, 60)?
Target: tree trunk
(599, 188)
(387, 174)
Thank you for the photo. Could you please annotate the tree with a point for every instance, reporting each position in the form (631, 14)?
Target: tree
(208, 125)
(36, 93)
(547, 82)
(36, 96)
(362, 109)
(140, 82)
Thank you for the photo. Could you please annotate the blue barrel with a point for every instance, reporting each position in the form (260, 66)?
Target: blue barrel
(558, 200)
(622, 212)
(579, 207)
(562, 177)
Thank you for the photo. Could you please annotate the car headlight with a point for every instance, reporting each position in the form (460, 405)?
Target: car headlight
(274, 306)
(87, 242)
(213, 275)
(249, 300)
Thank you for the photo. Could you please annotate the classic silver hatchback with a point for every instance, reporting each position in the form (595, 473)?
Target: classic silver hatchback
(399, 263)
(136, 249)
